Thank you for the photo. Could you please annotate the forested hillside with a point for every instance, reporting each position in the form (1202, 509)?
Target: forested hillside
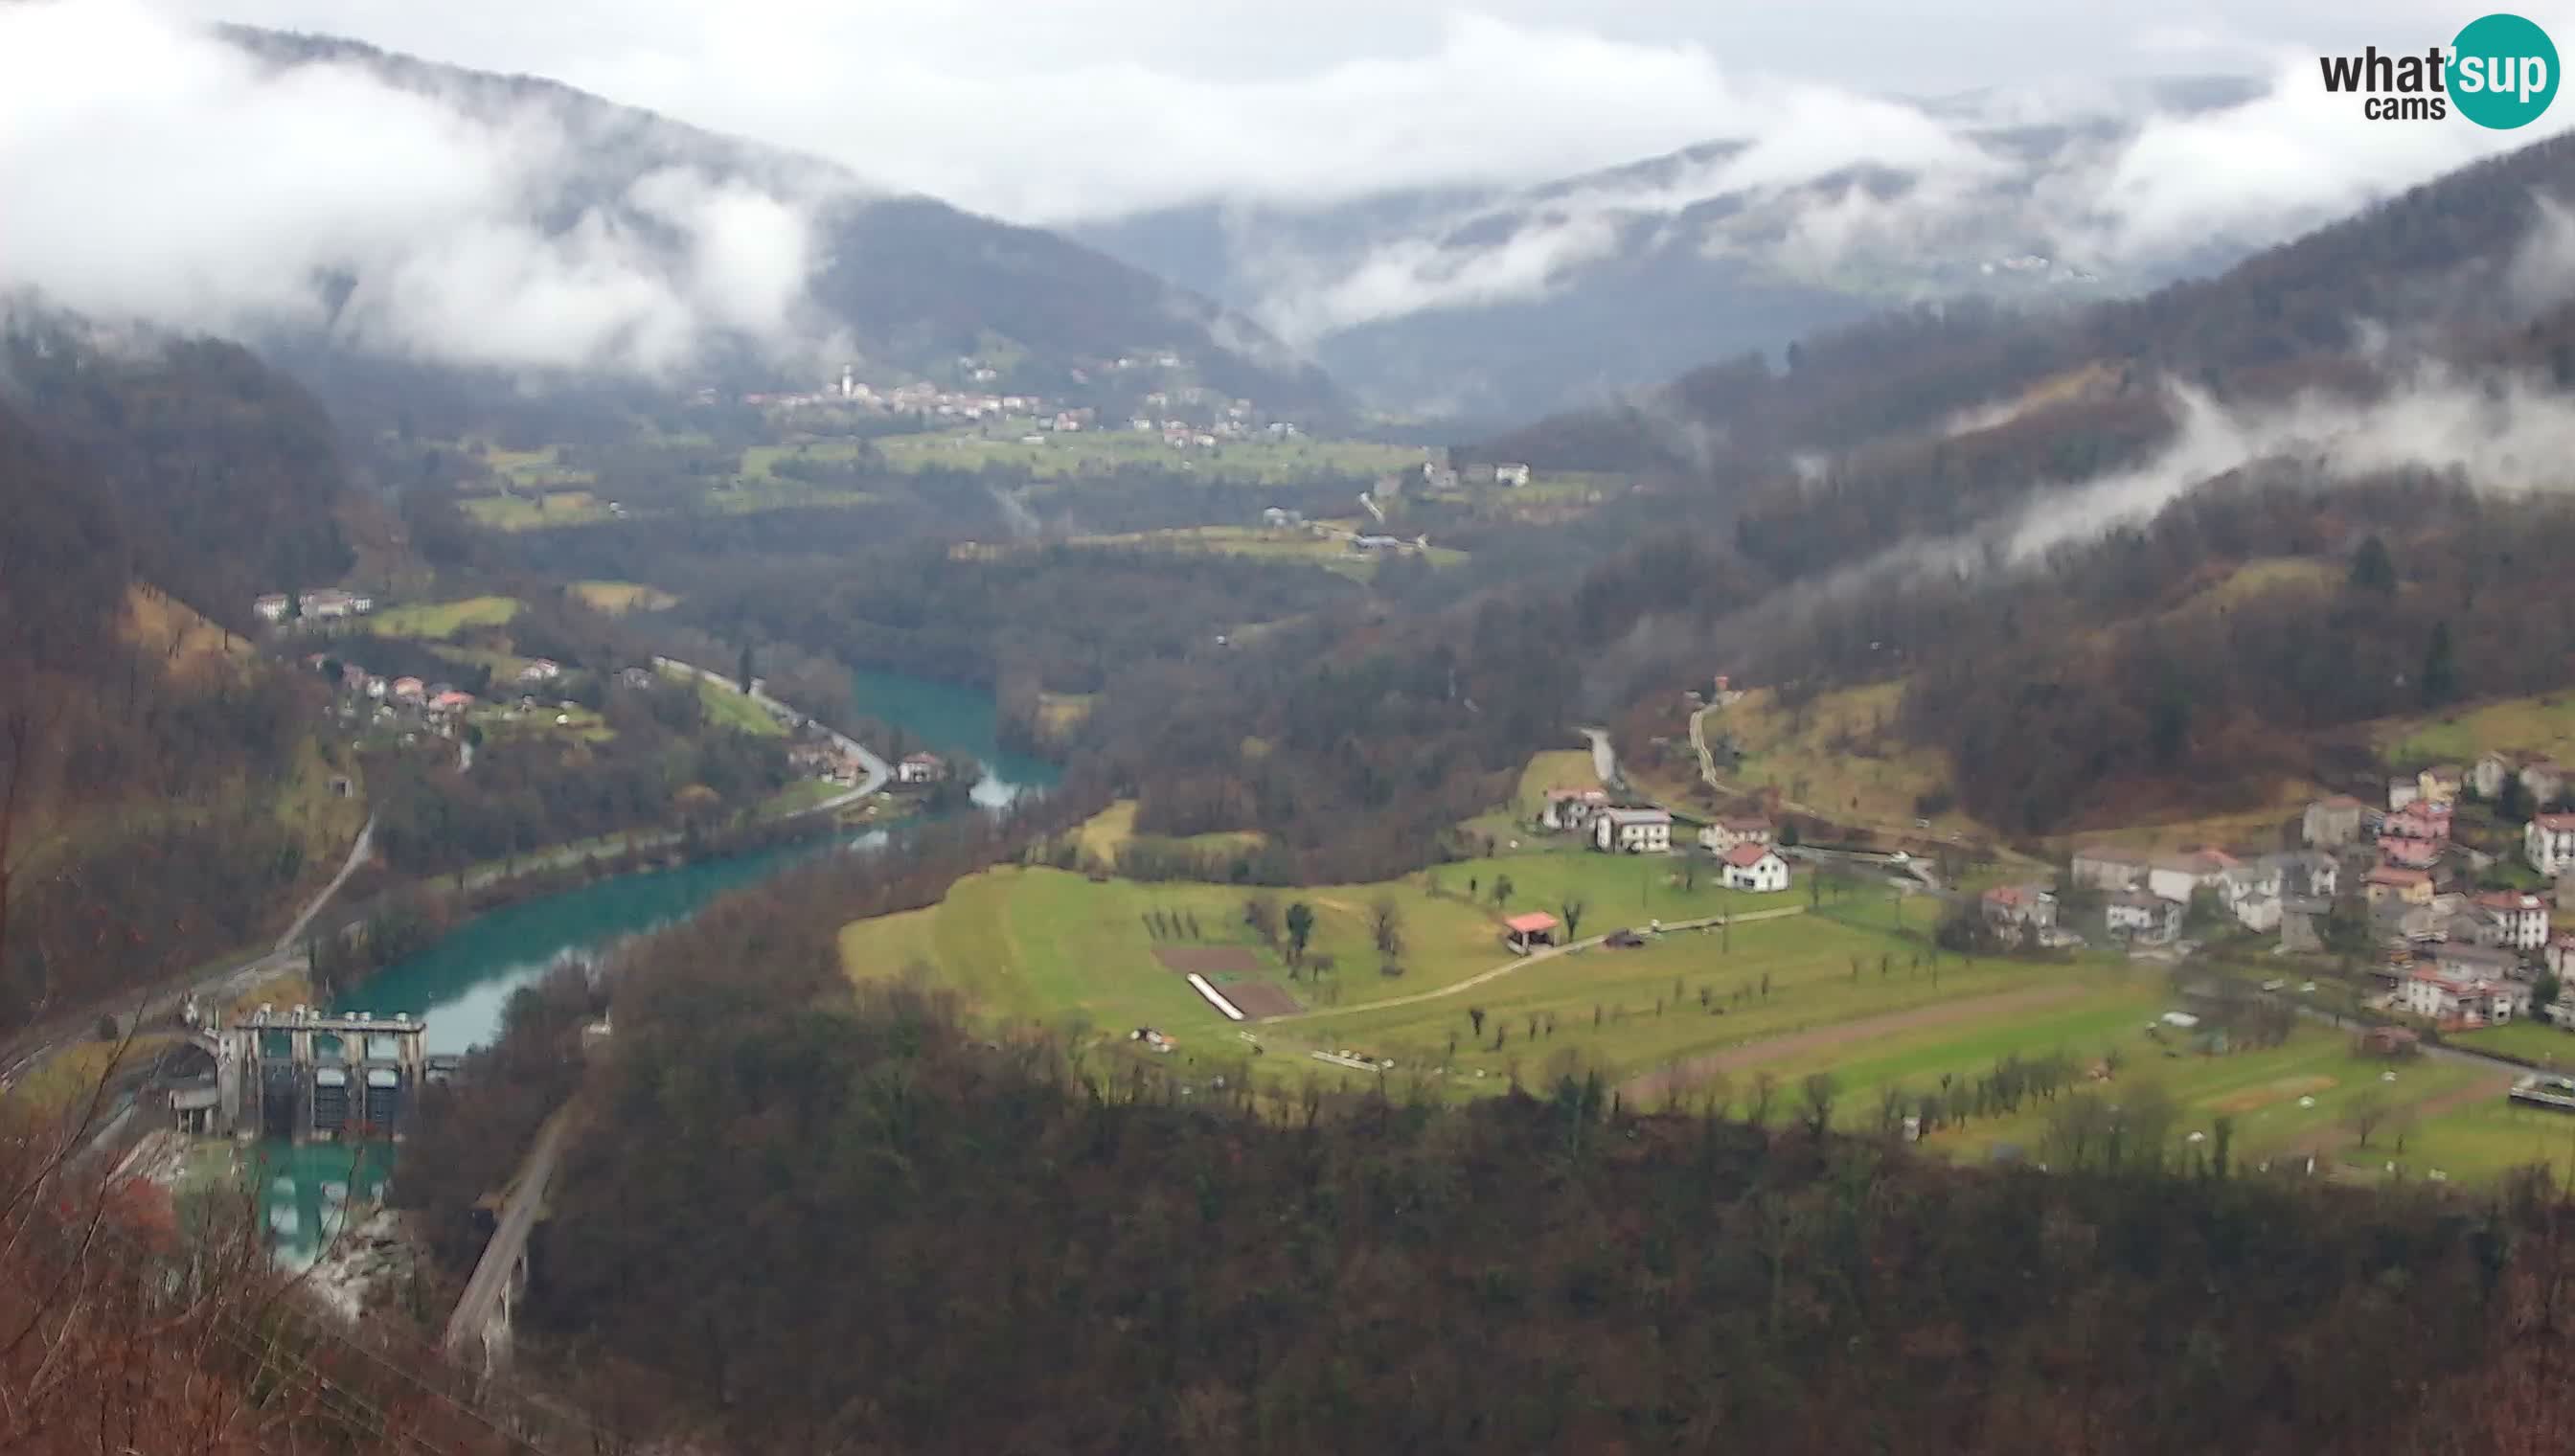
(147, 760)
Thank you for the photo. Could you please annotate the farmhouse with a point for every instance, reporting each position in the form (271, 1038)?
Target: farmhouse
(407, 690)
(1572, 809)
(2178, 876)
(1756, 867)
(271, 608)
(919, 768)
(1734, 829)
(2453, 997)
(1525, 933)
(1632, 831)
(2333, 821)
(2441, 783)
(2515, 919)
(542, 669)
(2024, 907)
(2549, 844)
(2106, 866)
(1512, 474)
(2142, 918)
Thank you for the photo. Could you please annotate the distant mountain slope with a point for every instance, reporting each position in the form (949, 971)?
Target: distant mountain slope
(777, 266)
(1491, 303)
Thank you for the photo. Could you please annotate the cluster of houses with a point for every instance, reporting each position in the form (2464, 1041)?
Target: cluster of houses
(2146, 897)
(1743, 846)
(2455, 954)
(325, 604)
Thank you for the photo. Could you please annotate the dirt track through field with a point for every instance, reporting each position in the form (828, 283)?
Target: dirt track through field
(1826, 1038)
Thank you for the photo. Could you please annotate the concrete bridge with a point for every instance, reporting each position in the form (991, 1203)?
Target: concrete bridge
(478, 1332)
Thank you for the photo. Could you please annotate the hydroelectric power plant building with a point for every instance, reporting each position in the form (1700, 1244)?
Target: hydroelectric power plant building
(309, 1074)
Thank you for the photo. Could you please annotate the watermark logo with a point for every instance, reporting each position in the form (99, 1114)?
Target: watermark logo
(2501, 72)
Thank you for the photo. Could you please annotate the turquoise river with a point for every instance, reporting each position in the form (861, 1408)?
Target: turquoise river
(460, 985)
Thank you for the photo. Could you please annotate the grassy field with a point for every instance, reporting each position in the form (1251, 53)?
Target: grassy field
(1839, 755)
(731, 708)
(1552, 768)
(542, 466)
(1333, 554)
(2295, 1098)
(1262, 461)
(2534, 1042)
(2480, 1140)
(581, 723)
(443, 618)
(1102, 834)
(2263, 577)
(527, 513)
(801, 794)
(622, 597)
(1615, 889)
(1633, 1011)
(1043, 943)
(2544, 725)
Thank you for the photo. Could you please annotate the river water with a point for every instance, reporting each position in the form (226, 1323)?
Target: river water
(460, 985)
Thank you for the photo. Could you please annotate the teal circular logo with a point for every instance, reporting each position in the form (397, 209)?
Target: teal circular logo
(2503, 72)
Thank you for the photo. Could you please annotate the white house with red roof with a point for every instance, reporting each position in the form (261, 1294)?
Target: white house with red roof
(2456, 998)
(2518, 918)
(408, 690)
(1757, 868)
(2023, 906)
(2549, 844)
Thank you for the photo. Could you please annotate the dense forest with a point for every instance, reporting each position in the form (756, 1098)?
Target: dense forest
(1009, 1244)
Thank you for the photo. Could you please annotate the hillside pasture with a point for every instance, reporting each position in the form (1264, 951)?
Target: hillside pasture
(437, 619)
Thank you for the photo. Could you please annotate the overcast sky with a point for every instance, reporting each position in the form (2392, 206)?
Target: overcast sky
(1039, 109)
